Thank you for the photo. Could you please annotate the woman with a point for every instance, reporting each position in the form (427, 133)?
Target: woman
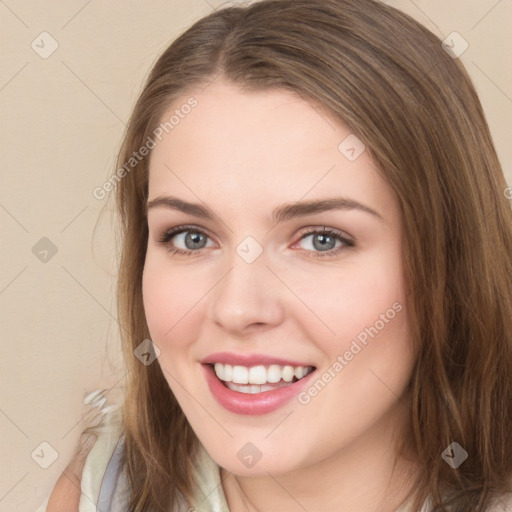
(310, 200)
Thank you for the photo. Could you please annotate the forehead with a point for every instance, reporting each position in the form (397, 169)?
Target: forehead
(254, 148)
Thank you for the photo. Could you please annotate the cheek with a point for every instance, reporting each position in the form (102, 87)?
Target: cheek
(345, 301)
(158, 298)
(172, 301)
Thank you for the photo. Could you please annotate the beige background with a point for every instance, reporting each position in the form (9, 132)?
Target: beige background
(61, 124)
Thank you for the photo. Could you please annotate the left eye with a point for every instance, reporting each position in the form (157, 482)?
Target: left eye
(323, 241)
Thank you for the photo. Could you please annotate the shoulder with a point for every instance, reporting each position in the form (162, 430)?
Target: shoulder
(65, 496)
(502, 504)
(103, 463)
(78, 488)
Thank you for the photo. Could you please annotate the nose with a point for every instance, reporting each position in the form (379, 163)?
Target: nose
(248, 297)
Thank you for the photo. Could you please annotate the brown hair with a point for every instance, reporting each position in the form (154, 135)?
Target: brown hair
(388, 78)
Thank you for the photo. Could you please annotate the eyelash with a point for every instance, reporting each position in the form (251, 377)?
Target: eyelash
(168, 235)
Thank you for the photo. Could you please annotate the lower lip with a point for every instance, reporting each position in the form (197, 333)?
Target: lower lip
(252, 404)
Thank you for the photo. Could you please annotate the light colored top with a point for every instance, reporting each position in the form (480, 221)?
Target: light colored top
(105, 488)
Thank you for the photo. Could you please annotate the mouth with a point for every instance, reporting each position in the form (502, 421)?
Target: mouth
(259, 378)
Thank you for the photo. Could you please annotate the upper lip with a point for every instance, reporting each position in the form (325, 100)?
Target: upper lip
(249, 359)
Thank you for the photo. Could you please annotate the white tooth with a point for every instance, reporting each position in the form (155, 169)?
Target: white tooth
(257, 375)
(299, 372)
(240, 375)
(287, 373)
(240, 389)
(253, 389)
(274, 373)
(219, 370)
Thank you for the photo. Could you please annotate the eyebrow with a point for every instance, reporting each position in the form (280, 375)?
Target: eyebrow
(281, 213)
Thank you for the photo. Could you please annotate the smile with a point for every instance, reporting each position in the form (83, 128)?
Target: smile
(257, 389)
(260, 378)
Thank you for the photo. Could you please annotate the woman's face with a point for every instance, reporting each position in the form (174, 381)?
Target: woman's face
(261, 291)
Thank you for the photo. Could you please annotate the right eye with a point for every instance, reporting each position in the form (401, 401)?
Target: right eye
(193, 239)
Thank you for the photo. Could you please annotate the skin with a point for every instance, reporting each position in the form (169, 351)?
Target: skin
(243, 154)
(66, 494)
